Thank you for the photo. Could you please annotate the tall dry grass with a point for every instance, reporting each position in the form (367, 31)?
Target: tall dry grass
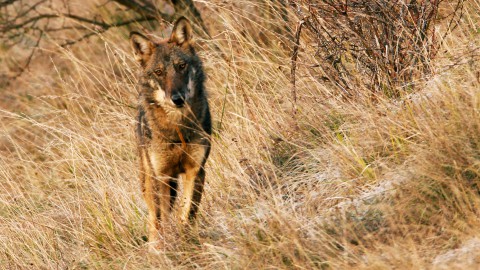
(344, 183)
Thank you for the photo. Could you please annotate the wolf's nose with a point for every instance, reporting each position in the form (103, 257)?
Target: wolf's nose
(178, 100)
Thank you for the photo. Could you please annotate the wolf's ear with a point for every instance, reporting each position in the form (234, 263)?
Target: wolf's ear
(182, 31)
(142, 47)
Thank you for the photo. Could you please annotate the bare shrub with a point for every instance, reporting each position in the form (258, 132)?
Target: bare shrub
(384, 46)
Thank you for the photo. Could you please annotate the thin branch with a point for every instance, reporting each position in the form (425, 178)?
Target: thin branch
(31, 20)
(294, 64)
(71, 42)
(105, 28)
(28, 17)
(22, 69)
(6, 3)
(186, 7)
(458, 7)
(145, 9)
(32, 7)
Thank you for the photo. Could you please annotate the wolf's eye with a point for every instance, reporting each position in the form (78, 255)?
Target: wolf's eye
(182, 66)
(158, 71)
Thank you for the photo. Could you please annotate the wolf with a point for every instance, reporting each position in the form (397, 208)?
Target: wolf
(173, 127)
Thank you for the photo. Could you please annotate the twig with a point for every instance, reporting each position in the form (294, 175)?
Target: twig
(458, 7)
(294, 64)
(22, 69)
(105, 28)
(71, 42)
(146, 8)
(6, 3)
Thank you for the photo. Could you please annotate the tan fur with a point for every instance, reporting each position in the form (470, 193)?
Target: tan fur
(173, 135)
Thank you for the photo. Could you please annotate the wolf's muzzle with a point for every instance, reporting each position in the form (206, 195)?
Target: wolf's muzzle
(178, 100)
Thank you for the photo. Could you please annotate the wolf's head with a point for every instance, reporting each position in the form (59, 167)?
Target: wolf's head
(171, 70)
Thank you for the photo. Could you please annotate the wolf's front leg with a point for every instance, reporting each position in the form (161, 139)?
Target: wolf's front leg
(192, 193)
(149, 191)
(150, 194)
(157, 197)
(157, 193)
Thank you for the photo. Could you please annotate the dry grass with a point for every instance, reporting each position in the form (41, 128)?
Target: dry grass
(345, 183)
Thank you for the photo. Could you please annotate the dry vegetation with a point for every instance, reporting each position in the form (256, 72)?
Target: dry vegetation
(359, 180)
